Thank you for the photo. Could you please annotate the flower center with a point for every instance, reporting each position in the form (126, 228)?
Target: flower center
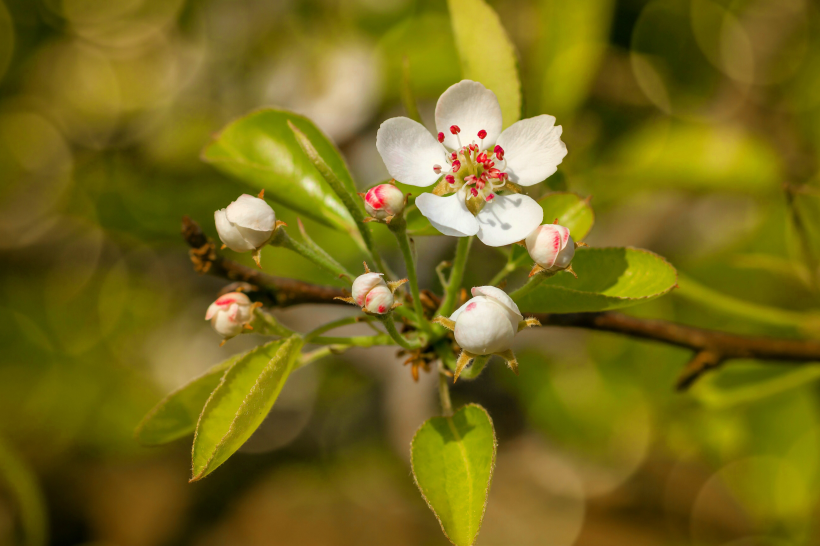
(480, 170)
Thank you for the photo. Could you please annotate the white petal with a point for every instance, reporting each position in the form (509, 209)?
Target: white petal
(533, 149)
(257, 239)
(229, 234)
(252, 213)
(409, 151)
(484, 327)
(508, 219)
(448, 214)
(500, 296)
(472, 107)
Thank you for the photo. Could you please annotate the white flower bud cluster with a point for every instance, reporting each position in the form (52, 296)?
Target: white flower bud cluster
(246, 225)
(230, 314)
(372, 294)
(551, 247)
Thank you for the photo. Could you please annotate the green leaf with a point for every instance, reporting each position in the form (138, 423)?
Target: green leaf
(453, 460)
(487, 54)
(176, 414)
(608, 278)
(241, 402)
(261, 150)
(572, 211)
(21, 483)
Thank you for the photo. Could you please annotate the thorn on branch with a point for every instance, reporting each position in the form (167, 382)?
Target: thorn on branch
(702, 362)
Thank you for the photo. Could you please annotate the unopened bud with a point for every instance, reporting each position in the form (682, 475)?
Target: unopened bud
(364, 284)
(384, 200)
(246, 224)
(379, 300)
(551, 247)
(230, 313)
(487, 323)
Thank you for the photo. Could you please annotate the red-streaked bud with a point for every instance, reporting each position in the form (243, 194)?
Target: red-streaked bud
(384, 200)
(454, 129)
(441, 137)
(364, 284)
(482, 134)
(379, 300)
(551, 247)
(230, 313)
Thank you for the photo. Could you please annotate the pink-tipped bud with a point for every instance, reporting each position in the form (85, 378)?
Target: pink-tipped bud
(456, 165)
(474, 192)
(551, 247)
(230, 313)
(499, 152)
(364, 284)
(437, 169)
(482, 134)
(441, 137)
(488, 322)
(450, 179)
(455, 129)
(490, 197)
(379, 300)
(481, 158)
(384, 200)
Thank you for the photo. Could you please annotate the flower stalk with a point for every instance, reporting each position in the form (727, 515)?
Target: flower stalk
(456, 276)
(399, 228)
(390, 326)
(323, 260)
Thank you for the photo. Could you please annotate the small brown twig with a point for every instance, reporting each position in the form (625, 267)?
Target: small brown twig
(711, 347)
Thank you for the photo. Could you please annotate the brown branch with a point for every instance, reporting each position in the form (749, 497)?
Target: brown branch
(711, 347)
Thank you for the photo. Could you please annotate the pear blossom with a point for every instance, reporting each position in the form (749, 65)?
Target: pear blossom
(486, 325)
(247, 224)
(384, 201)
(550, 247)
(230, 314)
(483, 167)
(364, 284)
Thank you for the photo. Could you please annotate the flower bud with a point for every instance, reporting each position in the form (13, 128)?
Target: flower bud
(384, 200)
(246, 224)
(230, 313)
(379, 300)
(487, 323)
(551, 247)
(364, 284)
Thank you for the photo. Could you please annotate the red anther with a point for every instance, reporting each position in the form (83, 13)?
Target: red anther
(499, 152)
(482, 134)
(456, 165)
(450, 179)
(490, 197)
(481, 158)
(453, 155)
(480, 184)
(455, 129)
(492, 173)
(474, 192)
(437, 169)
(469, 179)
(441, 137)
(489, 164)
(474, 147)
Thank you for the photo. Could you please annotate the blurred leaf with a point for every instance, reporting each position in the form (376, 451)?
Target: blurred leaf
(574, 36)
(261, 150)
(740, 384)
(689, 156)
(608, 278)
(452, 460)
(241, 402)
(20, 481)
(690, 289)
(487, 54)
(176, 414)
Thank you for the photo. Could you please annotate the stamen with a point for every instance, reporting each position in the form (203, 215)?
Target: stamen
(482, 134)
(456, 165)
(437, 168)
(450, 179)
(453, 156)
(474, 192)
(499, 152)
(481, 158)
(441, 137)
(490, 197)
(454, 129)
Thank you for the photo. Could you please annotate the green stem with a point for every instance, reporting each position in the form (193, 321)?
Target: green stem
(531, 285)
(387, 320)
(319, 354)
(456, 276)
(333, 325)
(354, 341)
(501, 275)
(281, 238)
(399, 228)
(444, 394)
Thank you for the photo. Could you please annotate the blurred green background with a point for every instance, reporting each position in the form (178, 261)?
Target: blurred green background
(693, 124)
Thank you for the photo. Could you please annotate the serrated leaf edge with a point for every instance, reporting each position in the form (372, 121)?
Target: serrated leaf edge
(489, 478)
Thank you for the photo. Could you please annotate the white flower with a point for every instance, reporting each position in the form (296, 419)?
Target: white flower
(383, 201)
(478, 161)
(230, 314)
(551, 247)
(487, 323)
(364, 284)
(245, 225)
